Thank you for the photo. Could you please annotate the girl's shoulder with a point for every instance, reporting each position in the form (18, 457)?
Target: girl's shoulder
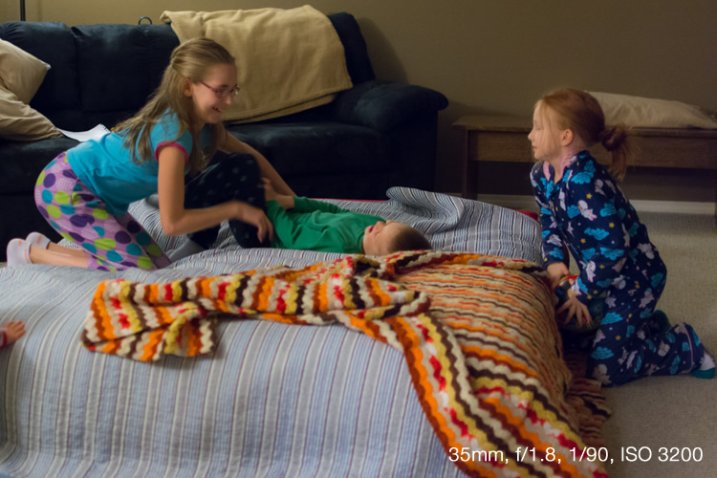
(586, 162)
(584, 157)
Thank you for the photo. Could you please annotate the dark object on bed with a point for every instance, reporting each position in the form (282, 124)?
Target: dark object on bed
(373, 136)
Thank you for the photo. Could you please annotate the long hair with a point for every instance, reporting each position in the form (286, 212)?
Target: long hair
(188, 62)
(581, 112)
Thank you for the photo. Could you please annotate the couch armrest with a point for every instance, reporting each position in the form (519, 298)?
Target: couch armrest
(385, 105)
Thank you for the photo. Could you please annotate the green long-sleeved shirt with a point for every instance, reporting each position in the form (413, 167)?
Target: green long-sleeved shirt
(318, 226)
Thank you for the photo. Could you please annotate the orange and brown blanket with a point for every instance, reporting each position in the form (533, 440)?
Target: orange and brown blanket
(478, 334)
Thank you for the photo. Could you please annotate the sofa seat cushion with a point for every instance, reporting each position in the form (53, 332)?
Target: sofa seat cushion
(21, 162)
(300, 149)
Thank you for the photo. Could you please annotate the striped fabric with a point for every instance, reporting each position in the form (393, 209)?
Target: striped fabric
(486, 376)
(273, 399)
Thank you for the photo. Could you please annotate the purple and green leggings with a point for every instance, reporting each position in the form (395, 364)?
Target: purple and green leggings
(116, 243)
(113, 243)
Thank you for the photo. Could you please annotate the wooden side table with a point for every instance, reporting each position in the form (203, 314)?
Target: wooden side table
(491, 138)
(505, 139)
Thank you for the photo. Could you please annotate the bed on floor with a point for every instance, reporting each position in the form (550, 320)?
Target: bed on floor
(292, 363)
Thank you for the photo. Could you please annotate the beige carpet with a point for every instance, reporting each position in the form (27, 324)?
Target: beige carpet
(669, 412)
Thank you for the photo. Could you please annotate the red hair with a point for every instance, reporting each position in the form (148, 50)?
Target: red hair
(580, 111)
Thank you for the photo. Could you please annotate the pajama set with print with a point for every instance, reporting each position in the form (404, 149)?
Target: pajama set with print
(621, 274)
(85, 192)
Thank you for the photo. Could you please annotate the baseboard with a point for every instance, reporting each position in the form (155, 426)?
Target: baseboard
(642, 205)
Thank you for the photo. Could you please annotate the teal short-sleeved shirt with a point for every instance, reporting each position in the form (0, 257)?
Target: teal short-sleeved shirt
(106, 167)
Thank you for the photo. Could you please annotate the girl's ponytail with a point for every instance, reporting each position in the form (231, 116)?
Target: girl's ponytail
(581, 112)
(614, 139)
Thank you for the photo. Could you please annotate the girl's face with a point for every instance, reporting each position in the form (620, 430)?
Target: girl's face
(214, 93)
(545, 137)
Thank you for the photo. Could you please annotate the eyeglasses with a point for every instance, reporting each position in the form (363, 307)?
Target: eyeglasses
(223, 92)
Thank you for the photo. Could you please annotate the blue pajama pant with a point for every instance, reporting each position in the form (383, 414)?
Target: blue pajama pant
(631, 342)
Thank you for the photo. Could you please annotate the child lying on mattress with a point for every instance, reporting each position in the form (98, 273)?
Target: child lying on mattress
(307, 224)
(302, 223)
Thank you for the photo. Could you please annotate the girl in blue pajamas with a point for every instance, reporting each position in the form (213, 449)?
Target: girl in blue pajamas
(621, 276)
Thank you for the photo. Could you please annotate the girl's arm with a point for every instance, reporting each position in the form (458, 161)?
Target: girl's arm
(176, 220)
(231, 144)
(554, 250)
(284, 200)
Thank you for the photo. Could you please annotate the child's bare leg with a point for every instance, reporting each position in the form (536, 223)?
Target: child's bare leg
(41, 241)
(14, 329)
(57, 255)
(66, 250)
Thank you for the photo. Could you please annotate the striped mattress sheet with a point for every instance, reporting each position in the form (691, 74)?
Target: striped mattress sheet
(273, 399)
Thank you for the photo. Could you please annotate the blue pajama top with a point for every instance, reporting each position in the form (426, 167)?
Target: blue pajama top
(586, 213)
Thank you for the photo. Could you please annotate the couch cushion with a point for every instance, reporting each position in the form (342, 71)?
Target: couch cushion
(317, 147)
(357, 60)
(118, 64)
(18, 121)
(385, 105)
(20, 72)
(52, 43)
(21, 162)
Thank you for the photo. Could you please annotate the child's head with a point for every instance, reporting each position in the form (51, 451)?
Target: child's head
(387, 237)
(568, 117)
(198, 83)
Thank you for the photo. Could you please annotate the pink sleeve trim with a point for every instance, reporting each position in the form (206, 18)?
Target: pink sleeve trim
(164, 144)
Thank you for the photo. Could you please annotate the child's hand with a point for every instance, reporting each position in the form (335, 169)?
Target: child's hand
(256, 217)
(14, 329)
(574, 308)
(556, 271)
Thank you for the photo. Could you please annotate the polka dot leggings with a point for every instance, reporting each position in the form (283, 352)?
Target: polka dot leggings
(114, 243)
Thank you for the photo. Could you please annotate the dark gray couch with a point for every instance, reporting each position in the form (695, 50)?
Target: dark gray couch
(375, 135)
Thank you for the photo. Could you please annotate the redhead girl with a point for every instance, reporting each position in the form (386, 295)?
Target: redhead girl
(583, 212)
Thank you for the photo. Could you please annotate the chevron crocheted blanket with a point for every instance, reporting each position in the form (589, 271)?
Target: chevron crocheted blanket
(477, 332)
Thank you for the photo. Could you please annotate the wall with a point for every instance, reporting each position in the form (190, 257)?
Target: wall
(492, 56)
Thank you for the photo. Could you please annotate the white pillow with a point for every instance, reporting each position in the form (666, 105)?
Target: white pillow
(20, 72)
(639, 112)
(20, 122)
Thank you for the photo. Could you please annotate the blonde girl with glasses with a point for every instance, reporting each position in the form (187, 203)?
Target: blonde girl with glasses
(84, 193)
(621, 276)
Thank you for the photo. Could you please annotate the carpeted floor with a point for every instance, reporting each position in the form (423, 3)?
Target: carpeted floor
(676, 413)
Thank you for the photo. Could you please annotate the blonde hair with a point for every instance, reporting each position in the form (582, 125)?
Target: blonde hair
(188, 62)
(580, 111)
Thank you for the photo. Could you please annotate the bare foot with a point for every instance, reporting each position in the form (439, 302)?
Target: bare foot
(14, 329)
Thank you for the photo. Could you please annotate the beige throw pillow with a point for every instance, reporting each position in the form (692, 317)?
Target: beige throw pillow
(20, 122)
(20, 72)
(639, 112)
